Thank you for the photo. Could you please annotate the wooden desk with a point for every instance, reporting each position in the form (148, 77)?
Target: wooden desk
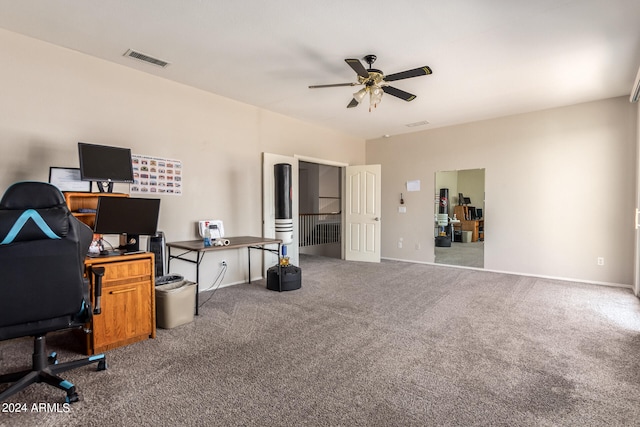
(128, 301)
(197, 247)
(471, 225)
(474, 227)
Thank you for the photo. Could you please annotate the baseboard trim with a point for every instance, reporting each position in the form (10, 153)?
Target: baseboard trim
(539, 276)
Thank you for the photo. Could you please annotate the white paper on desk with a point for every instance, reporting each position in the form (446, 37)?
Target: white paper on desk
(413, 185)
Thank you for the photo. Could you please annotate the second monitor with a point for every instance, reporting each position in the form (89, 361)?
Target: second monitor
(128, 216)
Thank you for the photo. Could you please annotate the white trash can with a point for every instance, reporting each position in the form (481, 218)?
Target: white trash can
(175, 304)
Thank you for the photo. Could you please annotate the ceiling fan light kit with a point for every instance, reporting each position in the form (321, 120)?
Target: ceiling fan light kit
(376, 83)
(359, 95)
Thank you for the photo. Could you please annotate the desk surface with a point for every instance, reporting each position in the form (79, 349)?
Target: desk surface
(234, 242)
(101, 259)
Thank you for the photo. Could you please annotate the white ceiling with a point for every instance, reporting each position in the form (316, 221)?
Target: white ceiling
(489, 58)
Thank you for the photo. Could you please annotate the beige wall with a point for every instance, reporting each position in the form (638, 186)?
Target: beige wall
(559, 184)
(51, 98)
(471, 185)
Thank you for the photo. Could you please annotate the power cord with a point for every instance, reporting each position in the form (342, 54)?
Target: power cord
(101, 244)
(219, 278)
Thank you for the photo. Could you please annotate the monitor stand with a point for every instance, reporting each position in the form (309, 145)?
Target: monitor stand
(129, 243)
(105, 186)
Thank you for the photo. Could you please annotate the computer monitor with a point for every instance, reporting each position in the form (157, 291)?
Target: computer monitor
(127, 216)
(68, 179)
(104, 165)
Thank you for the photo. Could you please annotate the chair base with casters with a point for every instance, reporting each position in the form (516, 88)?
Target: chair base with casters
(45, 369)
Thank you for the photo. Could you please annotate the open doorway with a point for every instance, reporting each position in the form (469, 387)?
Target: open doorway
(320, 212)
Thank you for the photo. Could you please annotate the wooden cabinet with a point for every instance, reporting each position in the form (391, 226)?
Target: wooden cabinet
(128, 302)
(461, 212)
(80, 201)
(467, 224)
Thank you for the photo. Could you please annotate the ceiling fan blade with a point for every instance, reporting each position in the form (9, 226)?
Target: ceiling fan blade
(398, 93)
(357, 66)
(332, 85)
(353, 103)
(422, 71)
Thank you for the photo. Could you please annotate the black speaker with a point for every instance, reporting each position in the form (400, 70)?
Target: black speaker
(156, 244)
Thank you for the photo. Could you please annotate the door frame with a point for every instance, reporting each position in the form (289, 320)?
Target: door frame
(636, 255)
(267, 194)
(342, 166)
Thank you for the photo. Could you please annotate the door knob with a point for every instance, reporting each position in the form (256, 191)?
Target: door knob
(376, 219)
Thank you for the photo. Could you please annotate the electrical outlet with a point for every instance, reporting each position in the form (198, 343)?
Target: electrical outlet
(223, 263)
(600, 260)
(400, 244)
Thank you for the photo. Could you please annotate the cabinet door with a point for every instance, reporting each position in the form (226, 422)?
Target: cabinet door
(125, 314)
(127, 304)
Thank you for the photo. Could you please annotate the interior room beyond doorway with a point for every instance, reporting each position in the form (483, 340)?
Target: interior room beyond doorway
(320, 216)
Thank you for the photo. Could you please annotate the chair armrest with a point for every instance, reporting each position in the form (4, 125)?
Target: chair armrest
(98, 272)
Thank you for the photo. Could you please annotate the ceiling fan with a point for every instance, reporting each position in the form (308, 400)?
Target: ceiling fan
(375, 82)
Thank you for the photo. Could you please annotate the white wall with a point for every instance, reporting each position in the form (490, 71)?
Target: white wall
(560, 189)
(52, 97)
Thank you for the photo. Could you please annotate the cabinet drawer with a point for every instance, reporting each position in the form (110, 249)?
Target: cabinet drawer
(126, 272)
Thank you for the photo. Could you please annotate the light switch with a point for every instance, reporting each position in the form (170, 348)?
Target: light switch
(402, 209)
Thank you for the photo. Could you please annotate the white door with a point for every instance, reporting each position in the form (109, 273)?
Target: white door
(269, 210)
(362, 213)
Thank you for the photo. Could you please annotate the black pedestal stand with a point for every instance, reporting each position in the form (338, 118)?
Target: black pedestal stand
(284, 278)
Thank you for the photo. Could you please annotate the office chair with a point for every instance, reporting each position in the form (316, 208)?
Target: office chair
(42, 289)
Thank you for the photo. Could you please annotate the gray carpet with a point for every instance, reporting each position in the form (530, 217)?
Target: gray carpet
(463, 254)
(389, 344)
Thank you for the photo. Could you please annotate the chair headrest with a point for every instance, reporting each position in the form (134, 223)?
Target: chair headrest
(33, 224)
(32, 211)
(31, 195)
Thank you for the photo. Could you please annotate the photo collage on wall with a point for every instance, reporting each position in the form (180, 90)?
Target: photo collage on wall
(156, 175)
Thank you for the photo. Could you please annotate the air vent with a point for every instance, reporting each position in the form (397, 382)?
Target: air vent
(422, 123)
(146, 58)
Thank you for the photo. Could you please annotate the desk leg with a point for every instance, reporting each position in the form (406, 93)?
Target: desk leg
(198, 260)
(199, 257)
